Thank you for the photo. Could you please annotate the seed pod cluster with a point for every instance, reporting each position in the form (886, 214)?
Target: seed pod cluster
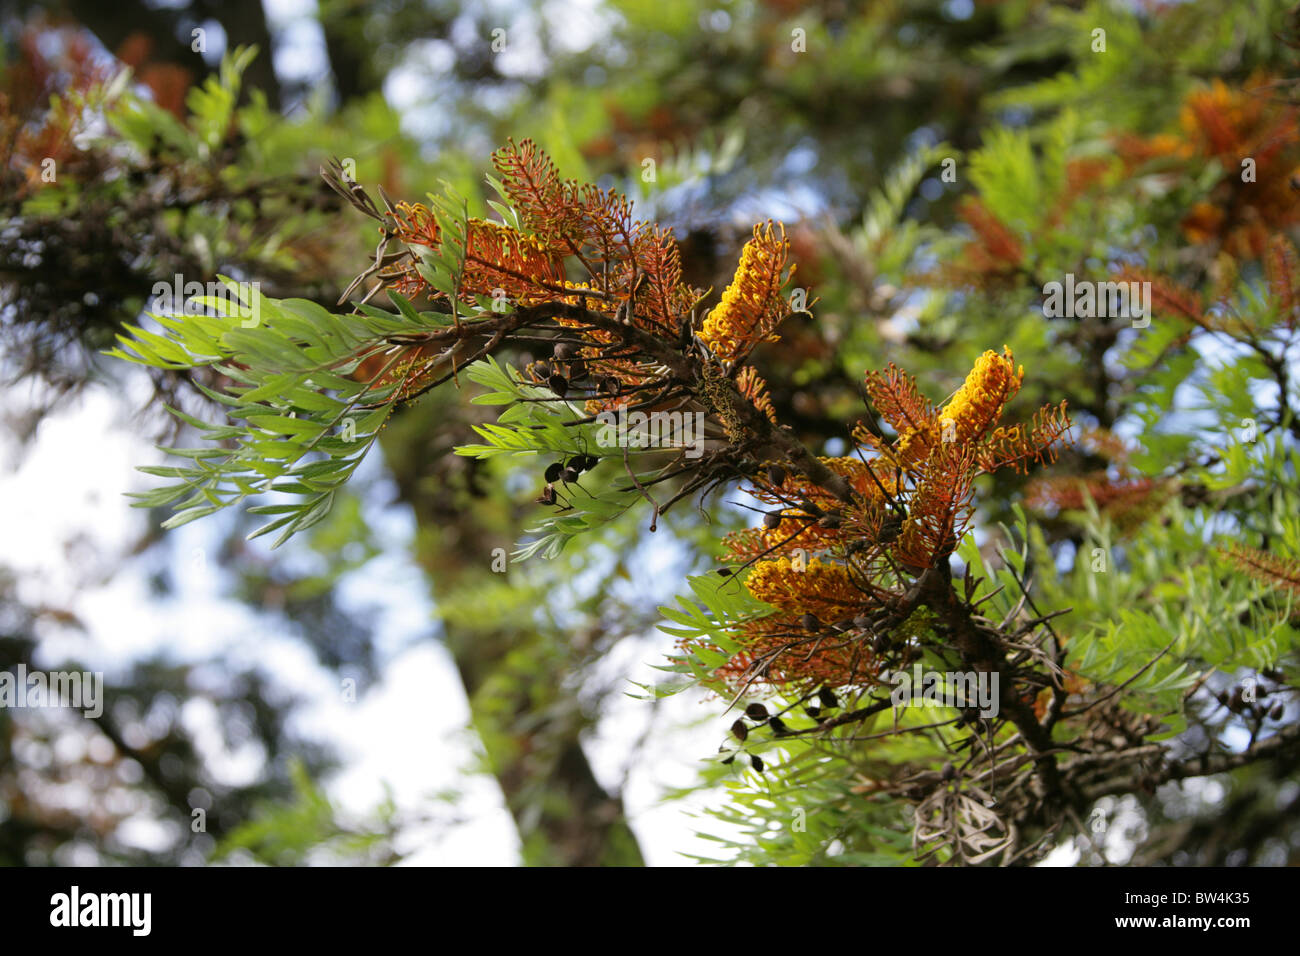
(570, 470)
(565, 471)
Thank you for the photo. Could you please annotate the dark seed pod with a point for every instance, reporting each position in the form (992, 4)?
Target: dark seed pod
(1276, 712)
(739, 730)
(542, 370)
(756, 712)
(757, 761)
(589, 462)
(778, 726)
(558, 384)
(829, 521)
(1222, 697)
(776, 475)
(810, 622)
(862, 621)
(882, 644)
(1273, 674)
(553, 472)
(565, 351)
(949, 771)
(813, 712)
(772, 520)
(828, 698)
(730, 759)
(570, 474)
(1238, 702)
(725, 572)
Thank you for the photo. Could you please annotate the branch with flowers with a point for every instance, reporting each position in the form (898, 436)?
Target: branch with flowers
(847, 581)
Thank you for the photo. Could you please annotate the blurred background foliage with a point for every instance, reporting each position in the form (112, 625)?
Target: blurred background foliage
(833, 116)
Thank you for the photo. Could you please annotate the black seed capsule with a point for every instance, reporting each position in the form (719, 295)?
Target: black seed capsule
(739, 730)
(564, 351)
(949, 771)
(757, 762)
(570, 474)
(542, 370)
(827, 698)
(862, 620)
(756, 712)
(725, 572)
(589, 462)
(813, 712)
(776, 475)
(553, 472)
(772, 520)
(829, 521)
(778, 726)
(730, 759)
(810, 622)
(882, 644)
(558, 384)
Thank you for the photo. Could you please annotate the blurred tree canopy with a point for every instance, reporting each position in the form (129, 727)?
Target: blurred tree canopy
(937, 166)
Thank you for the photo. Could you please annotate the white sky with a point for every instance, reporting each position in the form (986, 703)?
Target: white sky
(409, 731)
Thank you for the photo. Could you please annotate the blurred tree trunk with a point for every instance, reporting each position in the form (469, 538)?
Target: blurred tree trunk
(244, 22)
(524, 715)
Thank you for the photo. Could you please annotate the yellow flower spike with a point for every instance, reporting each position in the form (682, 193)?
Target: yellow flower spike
(820, 588)
(750, 307)
(979, 402)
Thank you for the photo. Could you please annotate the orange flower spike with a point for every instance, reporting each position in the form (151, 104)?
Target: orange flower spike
(914, 445)
(415, 224)
(979, 402)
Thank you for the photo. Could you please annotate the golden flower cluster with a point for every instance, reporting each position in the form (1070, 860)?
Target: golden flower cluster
(980, 400)
(751, 305)
(819, 587)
